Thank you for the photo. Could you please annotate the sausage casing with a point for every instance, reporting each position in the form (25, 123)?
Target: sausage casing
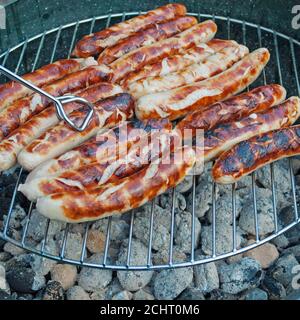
(234, 108)
(61, 138)
(135, 60)
(103, 148)
(252, 154)
(208, 68)
(121, 196)
(178, 102)
(38, 124)
(225, 136)
(22, 110)
(94, 43)
(96, 174)
(12, 91)
(180, 61)
(146, 36)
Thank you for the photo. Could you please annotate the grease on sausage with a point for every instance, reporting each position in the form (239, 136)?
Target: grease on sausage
(225, 136)
(135, 60)
(61, 138)
(176, 103)
(38, 124)
(94, 43)
(146, 37)
(208, 68)
(22, 110)
(234, 108)
(121, 196)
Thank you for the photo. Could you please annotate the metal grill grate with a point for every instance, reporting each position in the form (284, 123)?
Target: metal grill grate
(282, 69)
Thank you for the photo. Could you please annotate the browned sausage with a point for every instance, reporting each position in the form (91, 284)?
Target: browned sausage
(38, 124)
(176, 103)
(94, 43)
(121, 196)
(225, 136)
(213, 65)
(146, 37)
(61, 138)
(256, 100)
(135, 60)
(96, 174)
(103, 148)
(252, 154)
(178, 61)
(22, 110)
(12, 91)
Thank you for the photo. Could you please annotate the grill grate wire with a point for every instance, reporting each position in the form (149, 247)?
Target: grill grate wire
(230, 23)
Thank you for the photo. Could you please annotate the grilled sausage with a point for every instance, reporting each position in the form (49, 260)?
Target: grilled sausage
(103, 148)
(61, 138)
(38, 124)
(179, 61)
(213, 65)
(178, 102)
(94, 43)
(96, 174)
(225, 136)
(252, 154)
(121, 196)
(234, 108)
(22, 110)
(150, 35)
(135, 60)
(12, 91)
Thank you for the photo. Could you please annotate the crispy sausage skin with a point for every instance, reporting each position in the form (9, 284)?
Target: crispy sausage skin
(61, 138)
(96, 174)
(38, 124)
(176, 103)
(150, 35)
(225, 136)
(94, 43)
(121, 196)
(178, 61)
(22, 110)
(208, 68)
(234, 108)
(252, 154)
(103, 148)
(12, 91)
(135, 60)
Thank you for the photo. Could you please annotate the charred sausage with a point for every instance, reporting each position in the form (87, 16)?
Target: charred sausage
(96, 174)
(235, 108)
(38, 124)
(225, 136)
(12, 91)
(208, 68)
(178, 102)
(135, 60)
(22, 110)
(94, 43)
(104, 148)
(61, 138)
(252, 154)
(179, 61)
(121, 196)
(146, 36)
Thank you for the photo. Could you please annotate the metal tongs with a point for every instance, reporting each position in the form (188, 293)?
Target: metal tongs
(58, 101)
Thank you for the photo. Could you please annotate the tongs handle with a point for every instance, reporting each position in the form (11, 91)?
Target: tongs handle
(58, 101)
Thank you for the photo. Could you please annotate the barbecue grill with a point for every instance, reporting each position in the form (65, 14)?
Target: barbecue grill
(282, 69)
